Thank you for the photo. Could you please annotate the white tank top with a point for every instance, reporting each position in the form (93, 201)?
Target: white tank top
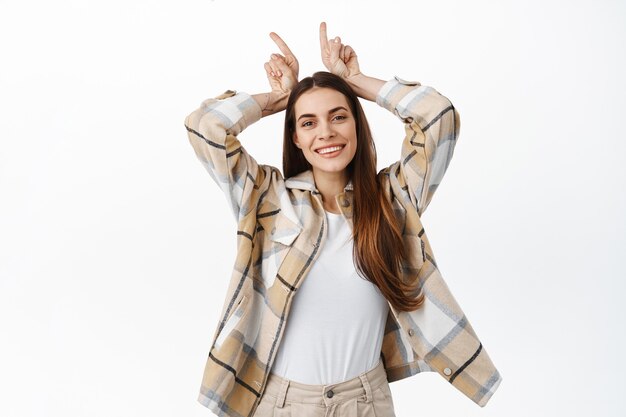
(337, 320)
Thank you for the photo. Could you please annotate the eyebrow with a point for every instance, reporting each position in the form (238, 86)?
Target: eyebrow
(331, 111)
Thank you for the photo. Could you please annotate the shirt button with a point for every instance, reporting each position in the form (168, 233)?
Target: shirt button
(330, 394)
(411, 332)
(447, 371)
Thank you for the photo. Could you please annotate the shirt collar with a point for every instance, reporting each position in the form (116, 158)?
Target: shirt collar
(306, 181)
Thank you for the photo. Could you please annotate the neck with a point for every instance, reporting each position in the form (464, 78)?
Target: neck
(330, 184)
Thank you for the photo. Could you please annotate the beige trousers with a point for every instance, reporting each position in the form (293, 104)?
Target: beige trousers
(367, 395)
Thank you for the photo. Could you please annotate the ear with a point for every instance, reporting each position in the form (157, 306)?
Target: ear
(295, 140)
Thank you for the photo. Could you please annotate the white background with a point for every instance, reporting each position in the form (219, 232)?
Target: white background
(116, 247)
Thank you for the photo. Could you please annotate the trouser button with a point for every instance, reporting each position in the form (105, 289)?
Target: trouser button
(330, 394)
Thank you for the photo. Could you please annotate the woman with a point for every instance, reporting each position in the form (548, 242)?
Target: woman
(373, 308)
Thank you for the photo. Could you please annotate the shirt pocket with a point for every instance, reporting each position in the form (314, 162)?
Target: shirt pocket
(277, 239)
(278, 227)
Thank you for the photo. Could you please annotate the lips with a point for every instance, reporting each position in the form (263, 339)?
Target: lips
(329, 149)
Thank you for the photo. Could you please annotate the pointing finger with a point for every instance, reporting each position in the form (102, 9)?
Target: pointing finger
(281, 44)
(323, 37)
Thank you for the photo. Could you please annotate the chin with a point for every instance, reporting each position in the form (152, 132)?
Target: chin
(330, 166)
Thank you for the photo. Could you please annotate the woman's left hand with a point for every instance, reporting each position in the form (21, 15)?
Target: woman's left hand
(338, 58)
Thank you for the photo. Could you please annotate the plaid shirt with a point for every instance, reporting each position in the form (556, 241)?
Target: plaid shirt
(281, 227)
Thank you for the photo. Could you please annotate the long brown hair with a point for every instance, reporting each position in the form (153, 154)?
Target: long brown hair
(378, 247)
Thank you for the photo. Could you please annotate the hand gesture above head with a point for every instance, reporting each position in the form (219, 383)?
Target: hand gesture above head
(282, 70)
(338, 58)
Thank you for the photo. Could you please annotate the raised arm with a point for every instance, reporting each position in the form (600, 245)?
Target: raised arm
(213, 129)
(431, 122)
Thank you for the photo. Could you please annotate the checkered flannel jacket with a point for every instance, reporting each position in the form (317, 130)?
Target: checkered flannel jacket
(281, 228)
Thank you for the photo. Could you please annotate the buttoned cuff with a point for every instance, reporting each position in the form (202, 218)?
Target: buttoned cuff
(392, 92)
(236, 110)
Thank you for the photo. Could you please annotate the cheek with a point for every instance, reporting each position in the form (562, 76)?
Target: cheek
(353, 153)
(303, 141)
(302, 145)
(353, 138)
(355, 145)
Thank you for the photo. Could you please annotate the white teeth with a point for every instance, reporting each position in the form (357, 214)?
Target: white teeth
(331, 149)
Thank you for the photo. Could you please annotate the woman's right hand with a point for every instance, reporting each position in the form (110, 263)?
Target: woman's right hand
(282, 74)
(282, 70)
(338, 58)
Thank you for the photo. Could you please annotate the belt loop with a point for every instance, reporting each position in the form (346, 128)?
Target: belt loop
(282, 393)
(368, 389)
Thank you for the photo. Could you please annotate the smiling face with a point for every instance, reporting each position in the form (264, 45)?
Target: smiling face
(325, 131)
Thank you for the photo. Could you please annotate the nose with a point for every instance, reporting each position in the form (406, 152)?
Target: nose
(326, 130)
